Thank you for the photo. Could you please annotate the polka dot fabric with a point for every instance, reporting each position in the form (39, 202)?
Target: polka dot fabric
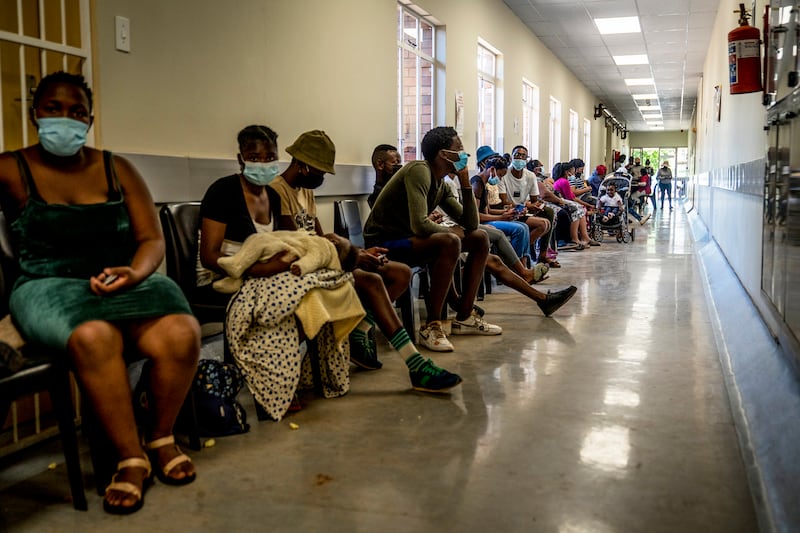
(264, 340)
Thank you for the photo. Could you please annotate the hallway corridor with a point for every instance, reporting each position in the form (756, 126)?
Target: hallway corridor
(612, 416)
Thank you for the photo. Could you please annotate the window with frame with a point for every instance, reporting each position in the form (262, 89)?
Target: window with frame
(573, 134)
(487, 93)
(554, 152)
(587, 141)
(415, 73)
(530, 117)
(37, 38)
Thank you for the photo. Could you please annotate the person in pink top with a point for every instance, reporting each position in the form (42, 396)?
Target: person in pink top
(578, 233)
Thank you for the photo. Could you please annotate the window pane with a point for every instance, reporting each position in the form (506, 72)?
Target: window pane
(30, 18)
(73, 20)
(409, 106)
(526, 126)
(52, 22)
(410, 30)
(486, 113)
(486, 61)
(426, 44)
(33, 73)
(53, 61)
(425, 98)
(13, 109)
(75, 64)
(8, 17)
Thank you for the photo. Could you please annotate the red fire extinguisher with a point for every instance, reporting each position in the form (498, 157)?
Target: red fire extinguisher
(744, 56)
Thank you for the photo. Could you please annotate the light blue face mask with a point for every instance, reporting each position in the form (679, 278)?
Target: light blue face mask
(494, 180)
(62, 136)
(463, 158)
(518, 164)
(260, 173)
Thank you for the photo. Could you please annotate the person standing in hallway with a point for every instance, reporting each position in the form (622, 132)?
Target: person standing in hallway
(664, 177)
(651, 192)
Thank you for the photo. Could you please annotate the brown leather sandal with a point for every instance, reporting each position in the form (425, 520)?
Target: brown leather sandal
(162, 472)
(128, 488)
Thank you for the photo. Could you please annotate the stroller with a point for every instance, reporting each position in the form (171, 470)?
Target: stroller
(618, 225)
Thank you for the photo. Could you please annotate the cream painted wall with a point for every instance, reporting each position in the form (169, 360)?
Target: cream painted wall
(648, 139)
(199, 70)
(523, 56)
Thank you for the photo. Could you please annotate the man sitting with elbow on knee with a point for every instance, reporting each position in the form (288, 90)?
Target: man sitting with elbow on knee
(400, 223)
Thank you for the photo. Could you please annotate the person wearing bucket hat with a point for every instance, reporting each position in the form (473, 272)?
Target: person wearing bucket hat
(378, 281)
(484, 153)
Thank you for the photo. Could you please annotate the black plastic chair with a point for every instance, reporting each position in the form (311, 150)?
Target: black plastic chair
(181, 225)
(45, 371)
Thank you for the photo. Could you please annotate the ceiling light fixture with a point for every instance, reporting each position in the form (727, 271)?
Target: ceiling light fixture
(639, 59)
(611, 25)
(651, 96)
(649, 108)
(639, 81)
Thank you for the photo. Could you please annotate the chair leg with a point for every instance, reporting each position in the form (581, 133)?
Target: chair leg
(190, 425)
(65, 414)
(316, 371)
(101, 450)
(406, 303)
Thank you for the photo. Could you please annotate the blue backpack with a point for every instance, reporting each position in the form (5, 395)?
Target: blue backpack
(216, 385)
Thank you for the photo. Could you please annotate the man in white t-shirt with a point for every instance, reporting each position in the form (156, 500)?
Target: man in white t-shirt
(519, 188)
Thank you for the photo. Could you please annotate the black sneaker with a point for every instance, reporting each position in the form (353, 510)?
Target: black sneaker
(556, 299)
(365, 355)
(431, 378)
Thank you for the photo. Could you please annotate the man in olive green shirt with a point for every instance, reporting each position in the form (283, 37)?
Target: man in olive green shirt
(405, 220)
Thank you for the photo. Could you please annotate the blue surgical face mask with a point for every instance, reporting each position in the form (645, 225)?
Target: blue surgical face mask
(62, 136)
(518, 164)
(494, 180)
(260, 173)
(463, 158)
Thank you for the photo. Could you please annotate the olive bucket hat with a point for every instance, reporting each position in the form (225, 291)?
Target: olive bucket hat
(315, 149)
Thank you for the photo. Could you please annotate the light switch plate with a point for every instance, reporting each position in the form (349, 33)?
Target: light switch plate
(123, 33)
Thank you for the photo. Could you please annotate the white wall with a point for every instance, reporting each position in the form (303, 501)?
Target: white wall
(738, 136)
(734, 219)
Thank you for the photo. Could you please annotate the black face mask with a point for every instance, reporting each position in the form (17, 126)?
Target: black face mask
(311, 181)
(393, 170)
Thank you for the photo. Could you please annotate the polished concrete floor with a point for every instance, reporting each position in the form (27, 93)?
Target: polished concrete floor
(612, 416)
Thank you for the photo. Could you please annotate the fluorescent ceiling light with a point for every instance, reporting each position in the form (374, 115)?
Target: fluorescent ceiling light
(639, 81)
(656, 127)
(652, 96)
(639, 59)
(608, 26)
(651, 117)
(659, 123)
(649, 108)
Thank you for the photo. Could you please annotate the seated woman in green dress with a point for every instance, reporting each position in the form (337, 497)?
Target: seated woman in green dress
(88, 242)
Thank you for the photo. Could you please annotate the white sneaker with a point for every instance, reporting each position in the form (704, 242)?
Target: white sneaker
(474, 325)
(433, 338)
